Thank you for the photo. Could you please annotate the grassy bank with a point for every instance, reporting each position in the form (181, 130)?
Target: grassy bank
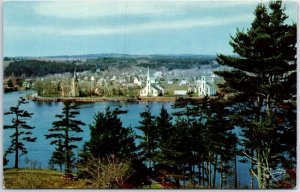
(46, 179)
(38, 179)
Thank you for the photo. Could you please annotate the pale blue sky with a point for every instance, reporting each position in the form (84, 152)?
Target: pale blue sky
(47, 28)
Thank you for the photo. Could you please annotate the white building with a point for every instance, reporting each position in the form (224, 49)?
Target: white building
(183, 82)
(206, 88)
(151, 90)
(158, 74)
(113, 78)
(170, 82)
(74, 85)
(180, 93)
(137, 81)
(161, 89)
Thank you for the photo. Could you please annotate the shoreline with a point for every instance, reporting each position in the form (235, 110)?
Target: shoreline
(107, 99)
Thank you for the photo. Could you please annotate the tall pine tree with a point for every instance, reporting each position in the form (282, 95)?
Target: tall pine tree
(63, 130)
(21, 130)
(263, 77)
(149, 138)
(58, 156)
(109, 137)
(164, 126)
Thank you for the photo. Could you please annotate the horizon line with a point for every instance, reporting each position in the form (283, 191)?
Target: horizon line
(119, 54)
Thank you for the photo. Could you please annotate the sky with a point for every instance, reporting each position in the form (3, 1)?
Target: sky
(49, 28)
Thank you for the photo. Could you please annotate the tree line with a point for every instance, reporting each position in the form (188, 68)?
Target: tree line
(37, 68)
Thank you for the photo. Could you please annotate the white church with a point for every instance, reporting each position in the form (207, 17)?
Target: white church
(151, 90)
(206, 88)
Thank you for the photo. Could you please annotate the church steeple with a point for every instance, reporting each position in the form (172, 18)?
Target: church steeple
(75, 75)
(74, 84)
(148, 75)
(148, 78)
(148, 85)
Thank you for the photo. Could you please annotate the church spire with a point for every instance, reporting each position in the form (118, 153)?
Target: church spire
(148, 75)
(74, 72)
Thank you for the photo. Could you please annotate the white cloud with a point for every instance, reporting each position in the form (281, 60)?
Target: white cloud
(132, 28)
(92, 9)
(78, 9)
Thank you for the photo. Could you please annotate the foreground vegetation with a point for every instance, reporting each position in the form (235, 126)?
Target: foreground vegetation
(38, 179)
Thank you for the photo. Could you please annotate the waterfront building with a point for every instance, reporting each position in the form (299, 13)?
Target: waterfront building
(206, 88)
(151, 89)
(74, 85)
(180, 93)
(137, 81)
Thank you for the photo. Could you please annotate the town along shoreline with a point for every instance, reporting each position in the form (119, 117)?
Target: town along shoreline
(108, 99)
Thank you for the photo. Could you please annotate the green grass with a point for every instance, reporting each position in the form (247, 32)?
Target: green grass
(38, 179)
(169, 89)
(153, 186)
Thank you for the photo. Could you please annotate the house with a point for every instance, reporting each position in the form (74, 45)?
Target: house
(26, 84)
(170, 82)
(158, 74)
(153, 80)
(180, 93)
(206, 88)
(192, 89)
(151, 90)
(137, 81)
(113, 78)
(183, 82)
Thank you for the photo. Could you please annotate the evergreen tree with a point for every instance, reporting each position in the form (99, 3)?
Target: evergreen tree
(58, 156)
(5, 160)
(62, 132)
(21, 130)
(219, 140)
(109, 137)
(212, 142)
(180, 148)
(263, 76)
(149, 138)
(164, 127)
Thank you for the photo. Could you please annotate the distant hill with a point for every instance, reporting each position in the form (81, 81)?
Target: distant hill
(111, 55)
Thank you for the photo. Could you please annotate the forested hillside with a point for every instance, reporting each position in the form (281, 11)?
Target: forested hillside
(32, 68)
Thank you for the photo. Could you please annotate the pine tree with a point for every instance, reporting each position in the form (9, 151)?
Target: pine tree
(22, 130)
(58, 156)
(219, 139)
(180, 147)
(212, 141)
(149, 138)
(164, 126)
(110, 140)
(62, 131)
(261, 79)
(109, 137)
